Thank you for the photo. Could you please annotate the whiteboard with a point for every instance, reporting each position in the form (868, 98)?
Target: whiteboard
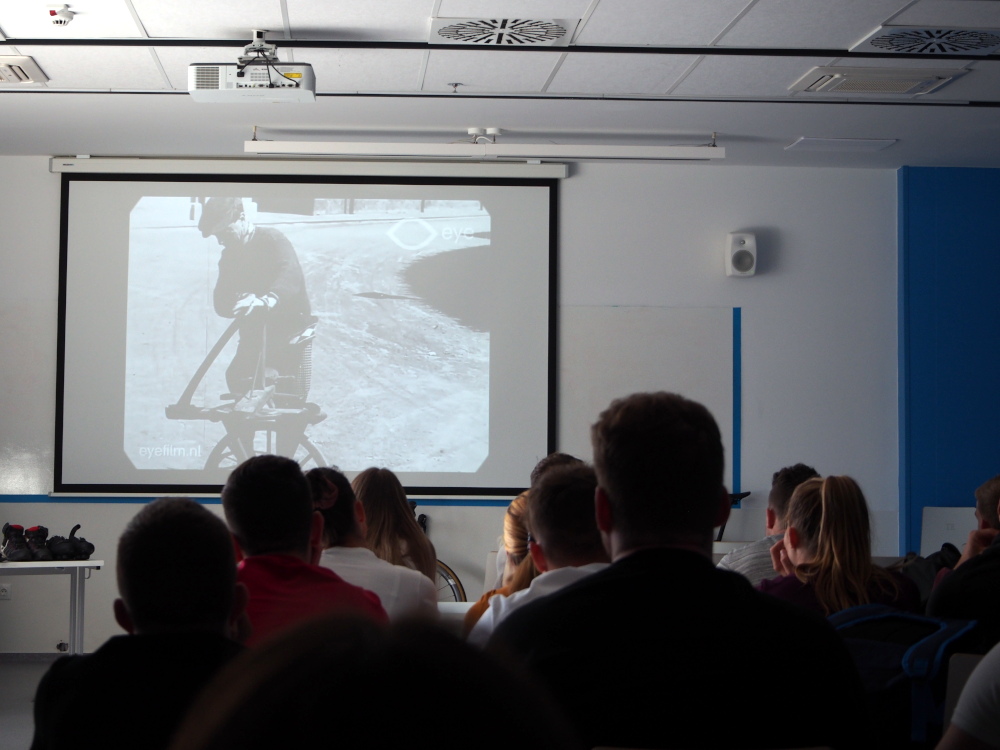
(609, 352)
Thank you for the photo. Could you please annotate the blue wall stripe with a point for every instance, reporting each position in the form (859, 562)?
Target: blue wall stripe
(737, 394)
(905, 541)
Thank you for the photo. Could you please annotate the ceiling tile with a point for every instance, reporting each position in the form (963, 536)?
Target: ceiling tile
(218, 19)
(746, 76)
(30, 19)
(817, 24)
(661, 23)
(975, 13)
(581, 73)
(388, 20)
(488, 71)
(361, 70)
(114, 68)
(513, 8)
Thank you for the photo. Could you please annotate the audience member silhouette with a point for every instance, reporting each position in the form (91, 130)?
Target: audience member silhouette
(975, 723)
(825, 556)
(392, 531)
(345, 682)
(645, 653)
(754, 560)
(518, 568)
(402, 590)
(180, 604)
(969, 592)
(565, 543)
(278, 537)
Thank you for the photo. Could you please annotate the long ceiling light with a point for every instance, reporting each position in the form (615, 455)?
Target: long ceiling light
(483, 150)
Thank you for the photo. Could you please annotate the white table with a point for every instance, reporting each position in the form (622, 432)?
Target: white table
(78, 572)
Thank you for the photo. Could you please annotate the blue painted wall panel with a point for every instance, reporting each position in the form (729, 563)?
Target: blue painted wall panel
(949, 321)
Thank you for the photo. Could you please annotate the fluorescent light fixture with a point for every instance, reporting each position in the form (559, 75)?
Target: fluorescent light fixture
(806, 143)
(484, 151)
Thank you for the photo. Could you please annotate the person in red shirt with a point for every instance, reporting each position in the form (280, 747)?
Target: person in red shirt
(278, 540)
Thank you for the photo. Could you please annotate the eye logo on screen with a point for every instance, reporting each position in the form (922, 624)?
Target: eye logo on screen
(406, 234)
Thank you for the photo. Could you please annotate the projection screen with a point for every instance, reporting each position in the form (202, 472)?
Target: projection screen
(403, 323)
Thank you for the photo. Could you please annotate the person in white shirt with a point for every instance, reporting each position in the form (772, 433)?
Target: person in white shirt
(404, 592)
(975, 724)
(564, 542)
(753, 561)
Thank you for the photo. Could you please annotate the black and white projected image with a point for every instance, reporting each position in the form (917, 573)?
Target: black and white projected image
(398, 368)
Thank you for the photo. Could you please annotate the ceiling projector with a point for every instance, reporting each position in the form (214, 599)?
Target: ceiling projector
(254, 82)
(258, 76)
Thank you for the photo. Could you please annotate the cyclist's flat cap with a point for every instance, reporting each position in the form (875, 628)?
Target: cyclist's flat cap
(218, 213)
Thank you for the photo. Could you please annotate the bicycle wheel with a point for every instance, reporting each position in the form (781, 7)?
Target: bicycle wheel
(228, 454)
(449, 588)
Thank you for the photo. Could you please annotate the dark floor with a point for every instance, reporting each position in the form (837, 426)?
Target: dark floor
(19, 674)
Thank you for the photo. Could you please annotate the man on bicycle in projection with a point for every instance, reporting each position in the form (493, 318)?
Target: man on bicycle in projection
(261, 283)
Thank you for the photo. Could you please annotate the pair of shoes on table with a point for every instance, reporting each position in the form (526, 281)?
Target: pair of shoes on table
(32, 545)
(18, 548)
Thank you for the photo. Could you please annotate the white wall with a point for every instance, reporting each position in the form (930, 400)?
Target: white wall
(819, 343)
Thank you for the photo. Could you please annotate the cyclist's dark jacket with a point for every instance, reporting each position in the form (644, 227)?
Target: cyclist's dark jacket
(265, 265)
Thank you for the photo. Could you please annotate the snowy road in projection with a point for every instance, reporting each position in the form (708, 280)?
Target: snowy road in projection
(404, 384)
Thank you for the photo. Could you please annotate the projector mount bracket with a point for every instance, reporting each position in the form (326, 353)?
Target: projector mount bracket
(258, 51)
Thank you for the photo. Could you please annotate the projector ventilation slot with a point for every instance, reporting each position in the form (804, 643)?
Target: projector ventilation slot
(207, 77)
(517, 32)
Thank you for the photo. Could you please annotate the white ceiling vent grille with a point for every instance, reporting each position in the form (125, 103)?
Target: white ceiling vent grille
(922, 40)
(16, 70)
(876, 81)
(507, 32)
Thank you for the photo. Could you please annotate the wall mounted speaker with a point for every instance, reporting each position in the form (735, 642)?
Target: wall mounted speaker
(741, 254)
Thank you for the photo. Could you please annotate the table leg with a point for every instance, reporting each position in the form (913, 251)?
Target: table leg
(76, 588)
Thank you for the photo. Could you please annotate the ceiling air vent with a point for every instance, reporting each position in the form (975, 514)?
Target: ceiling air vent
(507, 32)
(16, 70)
(922, 40)
(878, 81)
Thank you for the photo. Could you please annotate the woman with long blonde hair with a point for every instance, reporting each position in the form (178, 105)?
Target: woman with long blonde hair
(825, 557)
(393, 533)
(519, 570)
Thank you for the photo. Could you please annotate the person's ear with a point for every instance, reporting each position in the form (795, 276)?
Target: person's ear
(603, 511)
(538, 556)
(237, 549)
(792, 537)
(770, 518)
(981, 523)
(122, 616)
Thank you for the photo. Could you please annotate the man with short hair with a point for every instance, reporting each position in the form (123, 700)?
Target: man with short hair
(652, 651)
(260, 282)
(969, 591)
(278, 537)
(565, 544)
(179, 603)
(987, 501)
(754, 560)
